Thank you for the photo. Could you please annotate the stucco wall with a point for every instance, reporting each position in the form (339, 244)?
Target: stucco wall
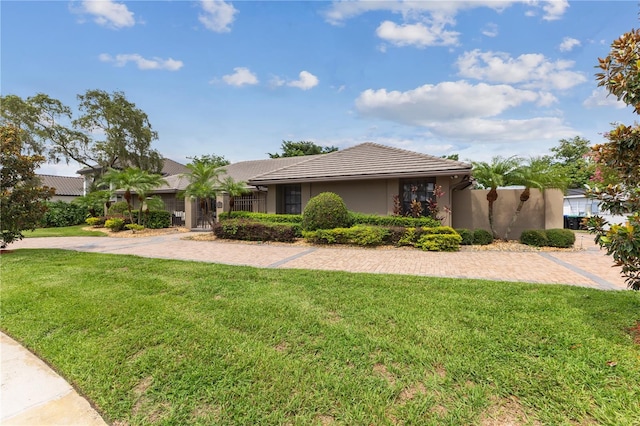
(541, 211)
(370, 196)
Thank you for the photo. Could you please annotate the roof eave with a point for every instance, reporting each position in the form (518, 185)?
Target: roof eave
(375, 176)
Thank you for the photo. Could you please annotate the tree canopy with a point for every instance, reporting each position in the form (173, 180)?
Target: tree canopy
(210, 159)
(298, 149)
(110, 130)
(22, 198)
(621, 157)
(572, 157)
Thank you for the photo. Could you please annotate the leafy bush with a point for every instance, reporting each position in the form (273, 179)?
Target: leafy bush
(115, 224)
(482, 237)
(563, 238)
(325, 211)
(118, 208)
(243, 229)
(467, 236)
(60, 213)
(372, 219)
(155, 219)
(96, 222)
(357, 235)
(134, 227)
(534, 237)
(267, 217)
(439, 242)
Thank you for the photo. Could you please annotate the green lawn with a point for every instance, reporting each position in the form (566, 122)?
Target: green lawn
(153, 341)
(66, 231)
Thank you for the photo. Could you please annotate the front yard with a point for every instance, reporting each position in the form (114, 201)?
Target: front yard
(153, 341)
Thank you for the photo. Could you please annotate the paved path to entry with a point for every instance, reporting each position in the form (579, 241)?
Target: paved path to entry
(589, 267)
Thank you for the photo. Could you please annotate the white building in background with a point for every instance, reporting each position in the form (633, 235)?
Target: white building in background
(576, 204)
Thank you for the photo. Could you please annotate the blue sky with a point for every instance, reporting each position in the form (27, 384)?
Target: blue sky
(236, 78)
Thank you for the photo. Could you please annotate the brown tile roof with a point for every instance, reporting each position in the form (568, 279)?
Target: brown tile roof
(169, 167)
(364, 161)
(64, 185)
(247, 170)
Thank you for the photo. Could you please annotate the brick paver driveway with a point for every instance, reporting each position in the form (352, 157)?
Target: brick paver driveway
(589, 267)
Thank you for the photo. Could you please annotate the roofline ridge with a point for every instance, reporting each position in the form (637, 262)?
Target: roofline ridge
(414, 152)
(304, 159)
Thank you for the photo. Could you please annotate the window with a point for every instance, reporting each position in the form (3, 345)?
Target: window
(292, 199)
(421, 190)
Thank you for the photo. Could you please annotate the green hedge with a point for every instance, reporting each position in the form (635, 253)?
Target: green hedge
(439, 242)
(155, 219)
(266, 217)
(359, 235)
(534, 237)
(482, 237)
(247, 230)
(60, 213)
(467, 236)
(377, 220)
(561, 238)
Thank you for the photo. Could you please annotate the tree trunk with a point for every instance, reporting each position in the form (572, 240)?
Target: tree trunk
(492, 196)
(523, 198)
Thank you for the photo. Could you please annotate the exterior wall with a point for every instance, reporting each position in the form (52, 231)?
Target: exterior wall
(369, 196)
(541, 211)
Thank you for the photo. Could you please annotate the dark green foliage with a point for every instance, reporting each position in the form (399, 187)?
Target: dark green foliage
(325, 211)
(155, 219)
(563, 238)
(61, 214)
(372, 219)
(439, 242)
(267, 217)
(247, 230)
(482, 237)
(467, 236)
(359, 235)
(394, 234)
(119, 207)
(534, 237)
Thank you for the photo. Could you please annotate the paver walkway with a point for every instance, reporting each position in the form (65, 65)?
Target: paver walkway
(33, 394)
(589, 267)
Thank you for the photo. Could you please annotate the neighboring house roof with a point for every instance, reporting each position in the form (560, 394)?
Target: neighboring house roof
(64, 185)
(169, 167)
(247, 170)
(175, 183)
(365, 161)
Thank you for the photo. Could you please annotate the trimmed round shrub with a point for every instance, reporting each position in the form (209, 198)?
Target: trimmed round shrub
(115, 224)
(467, 236)
(563, 238)
(119, 207)
(96, 222)
(325, 211)
(482, 237)
(534, 237)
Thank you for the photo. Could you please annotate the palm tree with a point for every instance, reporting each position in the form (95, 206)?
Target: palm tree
(539, 174)
(204, 178)
(233, 189)
(500, 172)
(133, 180)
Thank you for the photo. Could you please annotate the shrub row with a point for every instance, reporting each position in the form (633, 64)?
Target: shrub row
(153, 220)
(60, 213)
(372, 219)
(562, 238)
(440, 238)
(247, 230)
(480, 237)
(266, 217)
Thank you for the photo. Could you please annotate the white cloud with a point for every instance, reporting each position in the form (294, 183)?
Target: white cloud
(554, 9)
(568, 44)
(143, 63)
(490, 30)
(445, 101)
(418, 34)
(108, 13)
(306, 81)
(241, 77)
(218, 15)
(483, 130)
(601, 98)
(531, 70)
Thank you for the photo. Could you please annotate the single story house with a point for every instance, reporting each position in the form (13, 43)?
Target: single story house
(67, 187)
(576, 205)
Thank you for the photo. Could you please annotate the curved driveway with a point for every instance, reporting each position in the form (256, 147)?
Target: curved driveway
(589, 267)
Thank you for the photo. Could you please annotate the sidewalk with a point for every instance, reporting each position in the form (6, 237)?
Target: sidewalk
(32, 394)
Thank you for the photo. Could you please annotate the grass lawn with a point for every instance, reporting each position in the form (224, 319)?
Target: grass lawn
(65, 231)
(152, 341)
